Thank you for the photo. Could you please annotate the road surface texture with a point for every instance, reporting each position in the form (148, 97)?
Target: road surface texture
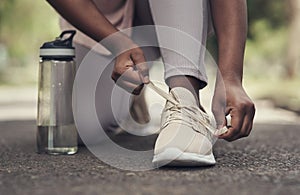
(265, 163)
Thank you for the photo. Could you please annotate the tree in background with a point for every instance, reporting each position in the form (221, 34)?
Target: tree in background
(24, 26)
(5, 8)
(293, 52)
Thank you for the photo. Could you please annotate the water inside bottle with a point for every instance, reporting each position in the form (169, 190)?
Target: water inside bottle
(57, 139)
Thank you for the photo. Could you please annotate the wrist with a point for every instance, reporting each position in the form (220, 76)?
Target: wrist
(229, 79)
(118, 43)
(232, 81)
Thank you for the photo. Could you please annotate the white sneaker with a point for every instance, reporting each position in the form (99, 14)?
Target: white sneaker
(185, 138)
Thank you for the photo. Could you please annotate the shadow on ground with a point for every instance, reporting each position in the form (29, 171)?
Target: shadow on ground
(265, 163)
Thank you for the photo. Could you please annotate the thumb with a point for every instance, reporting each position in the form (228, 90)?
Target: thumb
(219, 117)
(141, 65)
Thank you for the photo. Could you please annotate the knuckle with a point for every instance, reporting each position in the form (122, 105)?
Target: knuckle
(251, 108)
(138, 50)
(137, 54)
(243, 105)
(248, 105)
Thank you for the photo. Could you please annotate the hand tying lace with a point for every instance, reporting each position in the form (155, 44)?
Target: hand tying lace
(195, 117)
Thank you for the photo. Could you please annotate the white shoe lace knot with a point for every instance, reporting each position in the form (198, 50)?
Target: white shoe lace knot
(188, 115)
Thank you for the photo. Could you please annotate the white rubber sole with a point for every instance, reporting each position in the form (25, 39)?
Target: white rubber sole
(175, 157)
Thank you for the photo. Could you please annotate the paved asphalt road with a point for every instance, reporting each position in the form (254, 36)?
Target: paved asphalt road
(268, 162)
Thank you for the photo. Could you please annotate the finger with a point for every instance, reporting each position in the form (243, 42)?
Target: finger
(127, 74)
(251, 116)
(125, 68)
(250, 128)
(242, 133)
(248, 123)
(130, 87)
(247, 126)
(139, 60)
(237, 120)
(224, 129)
(132, 76)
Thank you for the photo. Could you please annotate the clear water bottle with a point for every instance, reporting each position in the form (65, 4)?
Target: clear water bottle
(56, 131)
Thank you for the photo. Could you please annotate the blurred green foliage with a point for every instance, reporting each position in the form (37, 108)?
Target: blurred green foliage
(25, 25)
(268, 38)
(274, 12)
(266, 47)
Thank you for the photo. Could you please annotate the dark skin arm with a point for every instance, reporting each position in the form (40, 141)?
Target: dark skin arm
(230, 21)
(84, 15)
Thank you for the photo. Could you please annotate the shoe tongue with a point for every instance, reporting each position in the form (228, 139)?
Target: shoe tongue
(184, 96)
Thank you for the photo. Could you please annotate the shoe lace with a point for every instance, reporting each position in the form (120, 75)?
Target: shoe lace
(193, 112)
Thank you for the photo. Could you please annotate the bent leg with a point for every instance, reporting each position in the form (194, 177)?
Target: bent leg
(109, 107)
(183, 44)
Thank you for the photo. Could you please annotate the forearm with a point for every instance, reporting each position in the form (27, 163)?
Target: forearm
(84, 15)
(230, 21)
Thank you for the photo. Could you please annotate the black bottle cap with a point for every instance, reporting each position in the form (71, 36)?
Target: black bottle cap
(60, 48)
